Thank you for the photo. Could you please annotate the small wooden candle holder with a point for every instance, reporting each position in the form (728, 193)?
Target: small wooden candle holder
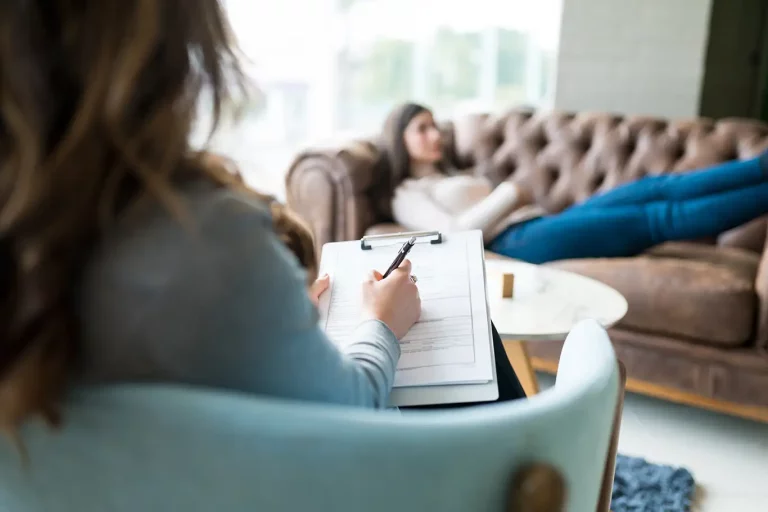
(508, 286)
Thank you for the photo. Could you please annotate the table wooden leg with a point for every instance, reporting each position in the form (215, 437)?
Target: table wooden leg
(517, 353)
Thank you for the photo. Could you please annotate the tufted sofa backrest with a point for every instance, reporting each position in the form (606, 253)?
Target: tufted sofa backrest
(563, 157)
(566, 158)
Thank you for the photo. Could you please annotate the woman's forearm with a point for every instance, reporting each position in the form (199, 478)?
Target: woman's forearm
(416, 209)
(487, 214)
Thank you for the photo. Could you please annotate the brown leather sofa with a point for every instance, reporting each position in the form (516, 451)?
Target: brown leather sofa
(697, 327)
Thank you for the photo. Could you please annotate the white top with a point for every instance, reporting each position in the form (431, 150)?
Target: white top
(548, 302)
(435, 201)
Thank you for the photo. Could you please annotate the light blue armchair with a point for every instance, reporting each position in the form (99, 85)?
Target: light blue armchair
(165, 449)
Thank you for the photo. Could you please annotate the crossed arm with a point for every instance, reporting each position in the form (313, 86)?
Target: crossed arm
(415, 208)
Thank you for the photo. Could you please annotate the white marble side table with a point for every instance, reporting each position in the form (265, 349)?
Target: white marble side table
(545, 305)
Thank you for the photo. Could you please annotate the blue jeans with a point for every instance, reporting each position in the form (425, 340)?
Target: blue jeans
(631, 218)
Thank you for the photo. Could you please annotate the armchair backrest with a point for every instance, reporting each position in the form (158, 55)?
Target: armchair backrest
(157, 448)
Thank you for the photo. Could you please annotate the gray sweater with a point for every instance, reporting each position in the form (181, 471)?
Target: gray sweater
(221, 303)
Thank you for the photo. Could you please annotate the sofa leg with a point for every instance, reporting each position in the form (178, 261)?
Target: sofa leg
(517, 353)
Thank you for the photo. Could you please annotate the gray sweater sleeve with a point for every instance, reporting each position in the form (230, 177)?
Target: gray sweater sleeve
(227, 307)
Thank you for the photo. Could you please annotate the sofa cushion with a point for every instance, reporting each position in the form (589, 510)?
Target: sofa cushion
(702, 301)
(741, 261)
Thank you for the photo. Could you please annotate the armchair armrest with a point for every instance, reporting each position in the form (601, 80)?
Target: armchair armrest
(331, 191)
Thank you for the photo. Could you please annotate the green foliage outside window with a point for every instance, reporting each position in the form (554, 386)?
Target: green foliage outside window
(511, 60)
(384, 74)
(454, 66)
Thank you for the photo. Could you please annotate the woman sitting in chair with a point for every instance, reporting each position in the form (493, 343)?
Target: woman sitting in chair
(128, 256)
(622, 222)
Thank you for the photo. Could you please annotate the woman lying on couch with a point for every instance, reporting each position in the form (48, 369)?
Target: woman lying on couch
(622, 222)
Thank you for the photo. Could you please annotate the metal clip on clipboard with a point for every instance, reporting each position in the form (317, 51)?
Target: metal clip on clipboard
(365, 242)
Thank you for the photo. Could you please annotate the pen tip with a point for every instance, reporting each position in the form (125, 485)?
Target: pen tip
(412, 240)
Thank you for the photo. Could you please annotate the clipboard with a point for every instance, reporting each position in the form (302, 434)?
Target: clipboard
(439, 393)
(435, 237)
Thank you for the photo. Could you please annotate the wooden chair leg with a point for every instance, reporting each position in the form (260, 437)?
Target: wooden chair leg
(606, 489)
(517, 353)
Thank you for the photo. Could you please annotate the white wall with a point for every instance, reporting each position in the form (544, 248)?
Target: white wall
(632, 56)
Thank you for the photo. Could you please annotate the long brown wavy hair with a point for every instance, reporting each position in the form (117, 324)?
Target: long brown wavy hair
(97, 102)
(392, 143)
(397, 161)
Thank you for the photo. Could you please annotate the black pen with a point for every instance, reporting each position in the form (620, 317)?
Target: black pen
(404, 250)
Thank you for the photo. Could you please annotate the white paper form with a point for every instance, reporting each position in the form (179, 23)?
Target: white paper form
(451, 342)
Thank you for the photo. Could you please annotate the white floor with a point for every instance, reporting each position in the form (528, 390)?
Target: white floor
(727, 456)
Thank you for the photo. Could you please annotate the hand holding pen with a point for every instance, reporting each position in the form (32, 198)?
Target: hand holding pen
(393, 297)
(402, 253)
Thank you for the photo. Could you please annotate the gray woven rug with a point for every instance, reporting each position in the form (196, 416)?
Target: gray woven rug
(640, 486)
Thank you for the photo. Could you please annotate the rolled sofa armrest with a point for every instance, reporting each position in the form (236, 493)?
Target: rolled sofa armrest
(331, 191)
(761, 288)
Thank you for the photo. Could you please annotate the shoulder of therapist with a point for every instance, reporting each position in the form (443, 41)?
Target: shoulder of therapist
(147, 287)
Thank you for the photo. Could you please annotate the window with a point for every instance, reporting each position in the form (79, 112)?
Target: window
(331, 69)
